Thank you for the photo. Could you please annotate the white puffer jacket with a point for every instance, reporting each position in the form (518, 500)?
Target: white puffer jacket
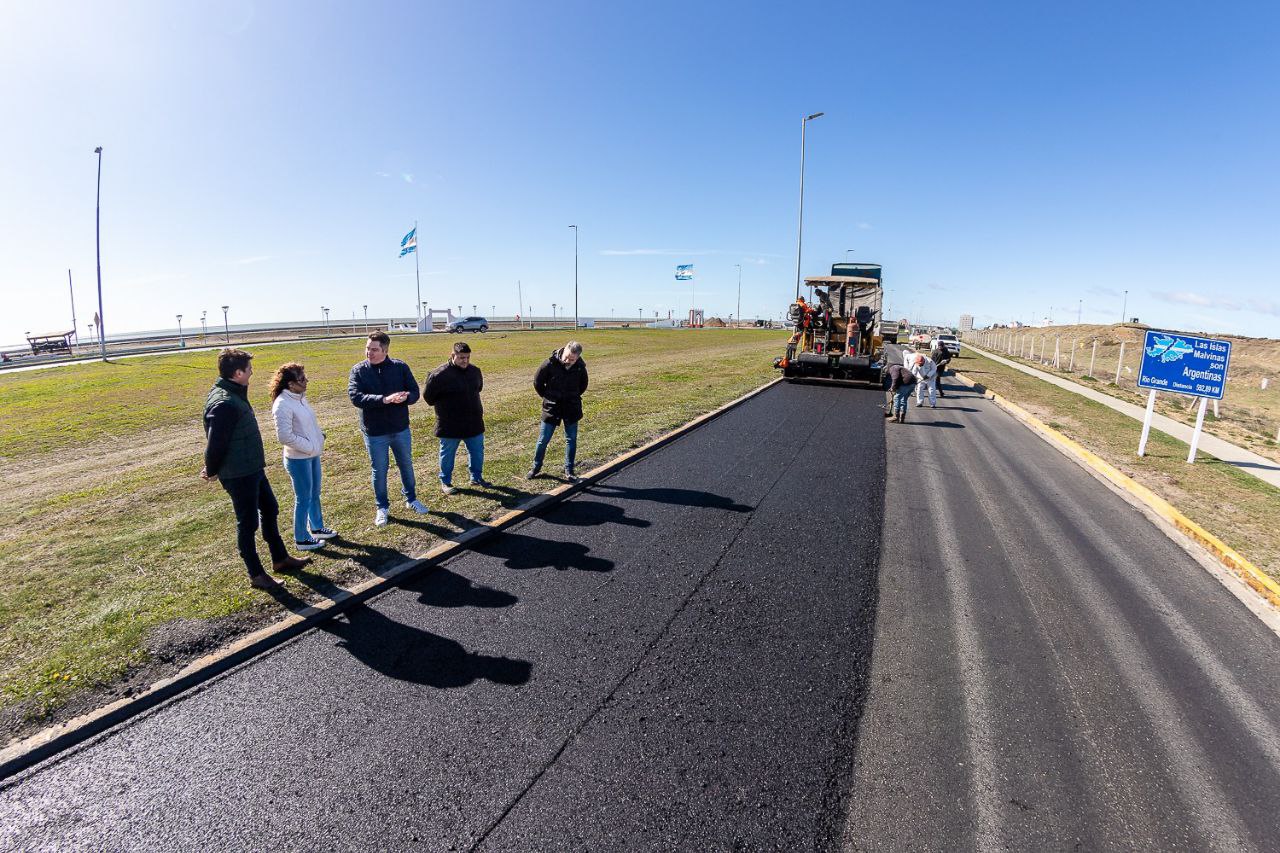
(296, 426)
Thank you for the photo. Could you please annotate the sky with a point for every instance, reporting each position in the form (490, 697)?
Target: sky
(1009, 160)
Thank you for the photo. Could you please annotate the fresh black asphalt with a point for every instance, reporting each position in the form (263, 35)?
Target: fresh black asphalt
(672, 659)
(758, 638)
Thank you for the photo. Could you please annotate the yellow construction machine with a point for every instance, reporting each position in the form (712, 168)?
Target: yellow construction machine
(837, 328)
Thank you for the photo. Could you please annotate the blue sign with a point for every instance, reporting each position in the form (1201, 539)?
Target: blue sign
(684, 272)
(1184, 364)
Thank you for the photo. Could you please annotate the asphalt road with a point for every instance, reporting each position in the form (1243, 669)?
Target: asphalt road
(1050, 671)
(1003, 655)
(673, 659)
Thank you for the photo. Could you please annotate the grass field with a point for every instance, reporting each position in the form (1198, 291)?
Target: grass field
(1249, 414)
(1237, 507)
(117, 562)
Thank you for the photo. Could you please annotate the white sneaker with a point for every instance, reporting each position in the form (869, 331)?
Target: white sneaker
(380, 519)
(324, 533)
(447, 488)
(417, 506)
(307, 544)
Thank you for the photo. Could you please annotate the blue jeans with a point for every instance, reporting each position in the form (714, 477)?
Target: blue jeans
(305, 474)
(570, 444)
(475, 457)
(401, 446)
(900, 398)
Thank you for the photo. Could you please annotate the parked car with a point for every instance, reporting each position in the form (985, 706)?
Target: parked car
(951, 342)
(467, 324)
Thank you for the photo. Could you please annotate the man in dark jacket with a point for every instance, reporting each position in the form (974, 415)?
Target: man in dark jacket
(560, 382)
(234, 457)
(941, 357)
(383, 389)
(900, 380)
(453, 389)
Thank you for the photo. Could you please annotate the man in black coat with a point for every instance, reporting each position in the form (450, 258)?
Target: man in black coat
(453, 389)
(560, 382)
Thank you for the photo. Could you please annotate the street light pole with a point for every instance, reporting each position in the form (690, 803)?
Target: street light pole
(182, 344)
(739, 314)
(97, 226)
(575, 275)
(366, 318)
(1124, 307)
(800, 227)
(553, 313)
(846, 255)
(225, 327)
(204, 328)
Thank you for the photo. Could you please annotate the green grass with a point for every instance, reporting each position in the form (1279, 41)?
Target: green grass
(1235, 506)
(106, 532)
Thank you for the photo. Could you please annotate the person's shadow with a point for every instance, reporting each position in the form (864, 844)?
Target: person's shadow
(410, 654)
(521, 552)
(665, 495)
(443, 588)
(584, 513)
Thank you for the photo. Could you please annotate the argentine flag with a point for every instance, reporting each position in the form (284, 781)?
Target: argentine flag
(409, 243)
(684, 272)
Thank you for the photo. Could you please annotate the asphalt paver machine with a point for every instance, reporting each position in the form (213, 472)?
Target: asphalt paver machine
(837, 327)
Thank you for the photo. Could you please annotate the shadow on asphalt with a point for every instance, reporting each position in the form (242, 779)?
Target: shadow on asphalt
(943, 424)
(584, 513)
(521, 552)
(410, 654)
(443, 588)
(681, 497)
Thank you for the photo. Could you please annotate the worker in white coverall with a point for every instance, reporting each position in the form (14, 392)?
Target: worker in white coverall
(926, 373)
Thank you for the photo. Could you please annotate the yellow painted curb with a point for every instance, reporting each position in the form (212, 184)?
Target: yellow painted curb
(20, 754)
(1258, 580)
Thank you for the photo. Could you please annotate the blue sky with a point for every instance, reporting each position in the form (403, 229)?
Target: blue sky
(1001, 159)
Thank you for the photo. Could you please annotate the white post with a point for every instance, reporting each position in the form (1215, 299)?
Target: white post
(1093, 357)
(1195, 436)
(1057, 354)
(1146, 423)
(1072, 366)
(1119, 363)
(1215, 410)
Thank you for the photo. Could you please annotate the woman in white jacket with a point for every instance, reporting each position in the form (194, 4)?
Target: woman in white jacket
(299, 432)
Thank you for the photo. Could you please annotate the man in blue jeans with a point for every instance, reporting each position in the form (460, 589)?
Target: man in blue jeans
(560, 382)
(453, 389)
(383, 389)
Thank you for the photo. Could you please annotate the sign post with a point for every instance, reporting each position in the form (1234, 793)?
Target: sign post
(1183, 364)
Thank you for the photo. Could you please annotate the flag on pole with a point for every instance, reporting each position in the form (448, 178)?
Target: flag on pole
(684, 272)
(409, 243)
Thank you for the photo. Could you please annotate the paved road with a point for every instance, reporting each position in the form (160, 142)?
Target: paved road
(1259, 466)
(1050, 672)
(673, 659)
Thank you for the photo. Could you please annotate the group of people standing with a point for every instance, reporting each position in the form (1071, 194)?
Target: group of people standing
(919, 371)
(383, 389)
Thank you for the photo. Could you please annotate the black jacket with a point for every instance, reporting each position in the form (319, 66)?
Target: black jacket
(369, 383)
(455, 394)
(561, 389)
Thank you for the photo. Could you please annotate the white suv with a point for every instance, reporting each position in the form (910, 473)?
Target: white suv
(951, 342)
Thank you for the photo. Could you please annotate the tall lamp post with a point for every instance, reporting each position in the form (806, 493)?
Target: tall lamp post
(366, 319)
(553, 313)
(800, 227)
(575, 275)
(846, 255)
(326, 319)
(204, 328)
(226, 328)
(1124, 307)
(97, 227)
(739, 313)
(182, 343)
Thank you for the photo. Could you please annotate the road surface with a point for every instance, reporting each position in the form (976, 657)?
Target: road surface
(977, 647)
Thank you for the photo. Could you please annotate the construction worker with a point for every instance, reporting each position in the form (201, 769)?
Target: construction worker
(900, 382)
(926, 374)
(941, 358)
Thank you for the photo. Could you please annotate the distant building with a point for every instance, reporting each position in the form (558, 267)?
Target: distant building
(966, 322)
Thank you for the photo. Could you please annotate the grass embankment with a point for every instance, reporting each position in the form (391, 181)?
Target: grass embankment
(115, 559)
(1249, 414)
(1235, 506)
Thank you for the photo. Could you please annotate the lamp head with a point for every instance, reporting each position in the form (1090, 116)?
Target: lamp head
(815, 115)
(98, 150)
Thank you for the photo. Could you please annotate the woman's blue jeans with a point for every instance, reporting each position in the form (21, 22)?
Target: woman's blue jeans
(570, 444)
(305, 474)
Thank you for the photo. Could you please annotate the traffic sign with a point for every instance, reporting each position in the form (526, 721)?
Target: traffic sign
(1184, 364)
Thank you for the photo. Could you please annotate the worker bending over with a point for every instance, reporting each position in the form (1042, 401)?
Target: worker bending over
(926, 374)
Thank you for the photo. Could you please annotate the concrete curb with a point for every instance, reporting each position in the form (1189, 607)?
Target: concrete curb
(21, 754)
(1255, 578)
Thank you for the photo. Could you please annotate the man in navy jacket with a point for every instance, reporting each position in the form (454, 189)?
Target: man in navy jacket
(383, 389)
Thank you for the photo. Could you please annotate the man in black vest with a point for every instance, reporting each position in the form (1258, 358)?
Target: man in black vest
(560, 382)
(235, 458)
(453, 389)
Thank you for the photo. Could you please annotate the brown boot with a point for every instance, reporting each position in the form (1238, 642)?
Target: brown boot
(264, 581)
(290, 564)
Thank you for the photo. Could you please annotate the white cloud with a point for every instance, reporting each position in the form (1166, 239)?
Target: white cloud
(864, 226)
(1265, 306)
(757, 261)
(383, 174)
(254, 259)
(691, 253)
(1186, 297)
(407, 176)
